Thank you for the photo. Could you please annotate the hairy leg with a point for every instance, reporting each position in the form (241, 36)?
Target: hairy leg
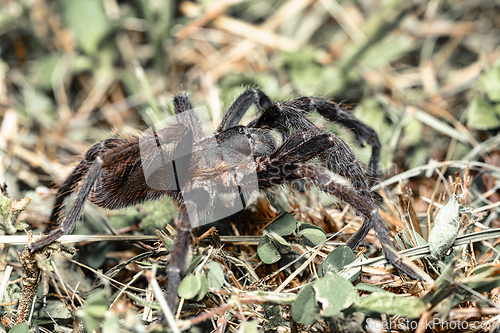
(70, 220)
(319, 176)
(334, 112)
(179, 252)
(70, 183)
(240, 106)
(119, 160)
(182, 103)
(339, 158)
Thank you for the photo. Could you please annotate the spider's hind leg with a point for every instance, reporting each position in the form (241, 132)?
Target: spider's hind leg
(70, 220)
(179, 253)
(70, 183)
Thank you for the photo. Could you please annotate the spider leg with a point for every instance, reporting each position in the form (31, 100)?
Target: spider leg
(298, 149)
(241, 105)
(70, 183)
(340, 158)
(107, 165)
(319, 177)
(334, 112)
(287, 164)
(66, 188)
(182, 103)
(180, 251)
(70, 221)
(367, 209)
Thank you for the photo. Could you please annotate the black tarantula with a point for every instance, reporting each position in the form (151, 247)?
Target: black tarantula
(115, 176)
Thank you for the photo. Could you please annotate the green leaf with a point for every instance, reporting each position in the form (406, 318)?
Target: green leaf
(312, 236)
(55, 309)
(143, 301)
(111, 324)
(414, 236)
(483, 279)
(21, 225)
(303, 225)
(23, 327)
(4, 205)
(279, 199)
(391, 304)
(490, 83)
(369, 288)
(482, 115)
(203, 286)
(442, 283)
(215, 275)
(305, 309)
(309, 76)
(41, 69)
(283, 225)
(195, 262)
(445, 229)
(280, 243)
(189, 287)
(266, 250)
(88, 21)
(413, 131)
(334, 293)
(249, 327)
(271, 246)
(336, 260)
(97, 304)
(386, 51)
(95, 309)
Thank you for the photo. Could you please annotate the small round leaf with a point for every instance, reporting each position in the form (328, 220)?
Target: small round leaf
(305, 309)
(336, 260)
(283, 225)
(334, 293)
(189, 287)
(215, 275)
(312, 236)
(268, 253)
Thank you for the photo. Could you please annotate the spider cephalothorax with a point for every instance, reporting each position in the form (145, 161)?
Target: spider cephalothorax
(116, 176)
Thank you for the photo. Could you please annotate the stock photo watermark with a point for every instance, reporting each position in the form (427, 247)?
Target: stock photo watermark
(167, 149)
(226, 179)
(435, 324)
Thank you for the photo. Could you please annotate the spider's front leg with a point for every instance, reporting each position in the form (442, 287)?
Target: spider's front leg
(334, 112)
(180, 251)
(288, 164)
(240, 106)
(340, 158)
(368, 209)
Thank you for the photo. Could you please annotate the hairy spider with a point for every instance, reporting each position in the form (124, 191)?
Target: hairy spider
(116, 176)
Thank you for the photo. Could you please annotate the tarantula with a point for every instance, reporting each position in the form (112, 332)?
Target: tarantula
(116, 176)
